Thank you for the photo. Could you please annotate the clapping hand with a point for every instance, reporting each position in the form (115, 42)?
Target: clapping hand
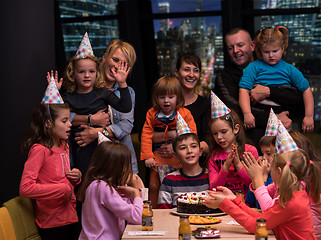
(266, 166)
(58, 82)
(230, 159)
(253, 169)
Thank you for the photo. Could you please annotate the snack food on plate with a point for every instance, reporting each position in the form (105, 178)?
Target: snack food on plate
(189, 203)
(207, 232)
(203, 220)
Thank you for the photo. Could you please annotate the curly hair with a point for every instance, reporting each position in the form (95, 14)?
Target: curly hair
(70, 83)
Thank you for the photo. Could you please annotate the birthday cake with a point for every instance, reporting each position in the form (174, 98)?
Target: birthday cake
(190, 203)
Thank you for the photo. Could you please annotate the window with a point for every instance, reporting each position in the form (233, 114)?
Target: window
(304, 51)
(201, 35)
(79, 17)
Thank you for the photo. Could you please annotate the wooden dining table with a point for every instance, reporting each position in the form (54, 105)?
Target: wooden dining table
(167, 223)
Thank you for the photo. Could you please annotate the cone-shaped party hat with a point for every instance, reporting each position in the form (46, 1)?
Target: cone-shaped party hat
(84, 49)
(52, 94)
(181, 126)
(284, 142)
(272, 125)
(218, 108)
(102, 138)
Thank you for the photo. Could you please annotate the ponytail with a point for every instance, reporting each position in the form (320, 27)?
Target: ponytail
(285, 32)
(294, 167)
(314, 180)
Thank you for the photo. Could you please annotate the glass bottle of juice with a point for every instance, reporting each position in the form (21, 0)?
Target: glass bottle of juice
(147, 216)
(184, 230)
(261, 232)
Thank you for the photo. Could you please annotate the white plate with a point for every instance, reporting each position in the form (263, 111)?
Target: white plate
(174, 211)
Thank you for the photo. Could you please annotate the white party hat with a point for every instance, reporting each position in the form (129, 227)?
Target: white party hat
(52, 94)
(181, 125)
(85, 48)
(272, 125)
(218, 108)
(102, 138)
(284, 142)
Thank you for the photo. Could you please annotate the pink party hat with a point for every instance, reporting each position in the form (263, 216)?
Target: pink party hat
(272, 125)
(102, 138)
(284, 142)
(181, 126)
(52, 94)
(219, 109)
(85, 48)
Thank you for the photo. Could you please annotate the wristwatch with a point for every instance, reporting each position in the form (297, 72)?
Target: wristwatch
(105, 132)
(89, 120)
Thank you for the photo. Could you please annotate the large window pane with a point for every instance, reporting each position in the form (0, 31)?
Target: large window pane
(202, 36)
(166, 6)
(84, 8)
(304, 49)
(270, 4)
(100, 34)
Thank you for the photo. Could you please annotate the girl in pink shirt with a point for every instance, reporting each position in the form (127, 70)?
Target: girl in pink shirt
(108, 202)
(47, 176)
(290, 216)
(227, 143)
(268, 195)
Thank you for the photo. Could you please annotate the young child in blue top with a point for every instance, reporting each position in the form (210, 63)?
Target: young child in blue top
(267, 145)
(271, 70)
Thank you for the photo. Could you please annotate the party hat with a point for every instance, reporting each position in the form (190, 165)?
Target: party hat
(52, 94)
(85, 48)
(181, 126)
(284, 142)
(272, 125)
(102, 138)
(219, 109)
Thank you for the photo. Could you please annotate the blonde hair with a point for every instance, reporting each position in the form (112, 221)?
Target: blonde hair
(125, 47)
(266, 36)
(294, 165)
(70, 82)
(168, 85)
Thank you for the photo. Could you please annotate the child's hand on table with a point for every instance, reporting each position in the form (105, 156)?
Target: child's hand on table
(216, 196)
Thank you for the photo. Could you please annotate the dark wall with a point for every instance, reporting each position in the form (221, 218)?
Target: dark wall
(28, 52)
